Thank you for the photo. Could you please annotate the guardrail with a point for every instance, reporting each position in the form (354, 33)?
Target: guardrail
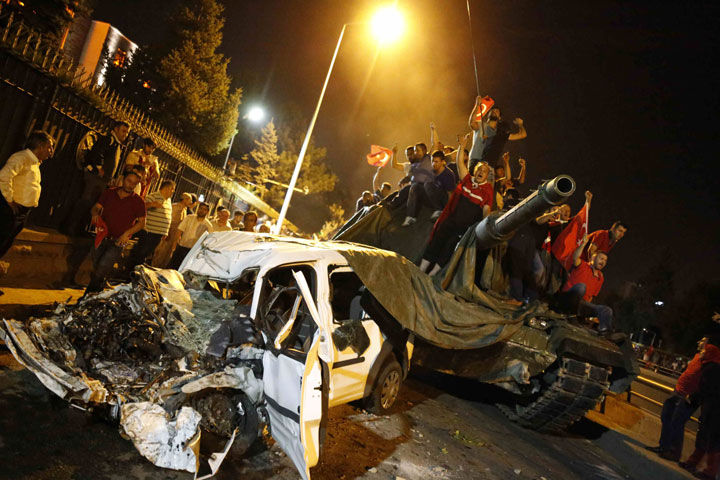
(659, 368)
(656, 385)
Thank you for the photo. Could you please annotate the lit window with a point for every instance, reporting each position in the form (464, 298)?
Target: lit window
(120, 58)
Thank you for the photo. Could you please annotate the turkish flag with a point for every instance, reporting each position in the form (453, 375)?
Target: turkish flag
(379, 156)
(571, 238)
(101, 231)
(486, 103)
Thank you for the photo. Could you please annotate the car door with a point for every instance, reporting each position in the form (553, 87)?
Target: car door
(293, 383)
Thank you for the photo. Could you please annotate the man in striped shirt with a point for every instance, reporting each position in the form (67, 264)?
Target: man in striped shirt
(157, 224)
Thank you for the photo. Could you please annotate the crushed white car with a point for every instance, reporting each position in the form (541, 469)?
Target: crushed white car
(254, 330)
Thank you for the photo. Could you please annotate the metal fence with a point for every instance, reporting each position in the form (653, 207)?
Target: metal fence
(41, 89)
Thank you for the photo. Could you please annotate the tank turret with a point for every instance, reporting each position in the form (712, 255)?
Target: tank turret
(498, 227)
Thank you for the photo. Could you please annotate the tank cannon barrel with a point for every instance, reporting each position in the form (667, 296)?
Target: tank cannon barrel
(497, 228)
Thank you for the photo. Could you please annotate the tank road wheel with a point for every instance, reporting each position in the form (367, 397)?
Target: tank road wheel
(575, 388)
(386, 389)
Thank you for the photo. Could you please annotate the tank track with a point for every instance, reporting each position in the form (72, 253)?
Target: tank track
(577, 388)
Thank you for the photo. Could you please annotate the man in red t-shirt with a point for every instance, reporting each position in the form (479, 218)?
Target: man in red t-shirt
(470, 202)
(604, 240)
(584, 283)
(123, 212)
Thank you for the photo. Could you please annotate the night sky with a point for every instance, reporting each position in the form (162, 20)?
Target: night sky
(623, 96)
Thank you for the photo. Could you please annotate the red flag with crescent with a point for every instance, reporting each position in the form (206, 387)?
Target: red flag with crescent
(379, 156)
(486, 103)
(101, 231)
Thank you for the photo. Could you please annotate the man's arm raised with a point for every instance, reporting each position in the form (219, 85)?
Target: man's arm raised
(394, 161)
(522, 133)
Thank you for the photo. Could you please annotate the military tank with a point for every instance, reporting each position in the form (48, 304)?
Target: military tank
(554, 367)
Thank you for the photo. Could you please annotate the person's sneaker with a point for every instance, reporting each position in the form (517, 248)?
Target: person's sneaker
(436, 214)
(689, 466)
(409, 221)
(657, 449)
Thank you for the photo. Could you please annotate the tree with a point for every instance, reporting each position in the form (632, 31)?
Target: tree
(198, 100)
(52, 18)
(337, 219)
(265, 156)
(137, 80)
(315, 176)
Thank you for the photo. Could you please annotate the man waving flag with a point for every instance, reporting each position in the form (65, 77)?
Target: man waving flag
(572, 236)
(379, 156)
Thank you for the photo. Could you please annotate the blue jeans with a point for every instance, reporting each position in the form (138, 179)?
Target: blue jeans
(104, 258)
(604, 314)
(675, 414)
(425, 193)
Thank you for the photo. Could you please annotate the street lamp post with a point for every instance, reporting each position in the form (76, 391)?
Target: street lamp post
(381, 19)
(303, 149)
(255, 114)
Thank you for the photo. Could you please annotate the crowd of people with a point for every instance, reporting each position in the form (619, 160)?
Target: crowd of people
(463, 185)
(125, 201)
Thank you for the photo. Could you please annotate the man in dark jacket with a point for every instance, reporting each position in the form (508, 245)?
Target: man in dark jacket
(707, 441)
(679, 407)
(100, 167)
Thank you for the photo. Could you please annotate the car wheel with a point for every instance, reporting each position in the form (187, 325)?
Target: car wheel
(386, 389)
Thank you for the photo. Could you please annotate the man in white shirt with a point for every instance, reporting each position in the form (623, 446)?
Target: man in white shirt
(188, 232)
(20, 186)
(157, 224)
(221, 223)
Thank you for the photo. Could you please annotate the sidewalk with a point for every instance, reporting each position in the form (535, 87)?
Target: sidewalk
(41, 256)
(21, 303)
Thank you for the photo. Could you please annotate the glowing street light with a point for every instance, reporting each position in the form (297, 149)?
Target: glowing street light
(255, 114)
(387, 25)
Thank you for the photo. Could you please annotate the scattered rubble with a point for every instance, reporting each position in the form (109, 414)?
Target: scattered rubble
(165, 361)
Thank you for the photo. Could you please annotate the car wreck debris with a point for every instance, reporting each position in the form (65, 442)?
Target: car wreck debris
(140, 351)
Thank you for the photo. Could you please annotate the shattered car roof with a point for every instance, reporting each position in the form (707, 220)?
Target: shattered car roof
(225, 255)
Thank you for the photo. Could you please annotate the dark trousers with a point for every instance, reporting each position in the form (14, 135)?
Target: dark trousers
(104, 257)
(675, 414)
(443, 243)
(178, 257)
(11, 224)
(80, 216)
(428, 193)
(401, 198)
(524, 266)
(144, 248)
(572, 302)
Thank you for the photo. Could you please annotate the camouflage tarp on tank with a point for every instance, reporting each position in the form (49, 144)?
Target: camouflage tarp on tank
(440, 317)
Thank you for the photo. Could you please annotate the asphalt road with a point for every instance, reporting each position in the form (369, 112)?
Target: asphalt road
(441, 427)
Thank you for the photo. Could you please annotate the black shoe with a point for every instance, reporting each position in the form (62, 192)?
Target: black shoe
(690, 467)
(657, 449)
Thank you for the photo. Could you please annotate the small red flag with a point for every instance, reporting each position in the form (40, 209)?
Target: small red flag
(101, 231)
(486, 103)
(379, 156)
(570, 238)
